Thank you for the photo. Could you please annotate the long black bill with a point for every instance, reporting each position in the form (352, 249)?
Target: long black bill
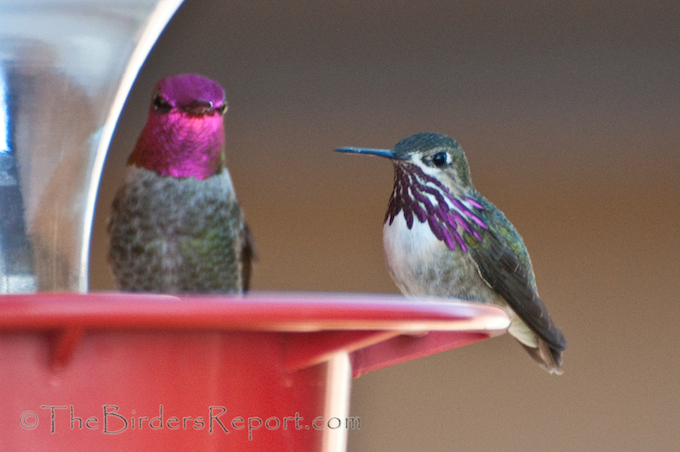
(388, 153)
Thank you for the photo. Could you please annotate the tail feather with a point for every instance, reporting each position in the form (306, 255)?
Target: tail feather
(546, 357)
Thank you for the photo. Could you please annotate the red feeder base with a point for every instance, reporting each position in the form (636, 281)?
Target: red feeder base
(117, 372)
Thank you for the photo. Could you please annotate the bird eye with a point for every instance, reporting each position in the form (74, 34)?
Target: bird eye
(160, 104)
(440, 159)
(222, 109)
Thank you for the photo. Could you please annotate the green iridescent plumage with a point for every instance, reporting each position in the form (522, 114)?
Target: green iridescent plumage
(501, 228)
(178, 235)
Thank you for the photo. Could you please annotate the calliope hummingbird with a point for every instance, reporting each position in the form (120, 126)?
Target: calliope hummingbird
(443, 238)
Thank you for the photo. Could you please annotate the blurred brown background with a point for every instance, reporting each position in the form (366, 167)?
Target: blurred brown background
(570, 116)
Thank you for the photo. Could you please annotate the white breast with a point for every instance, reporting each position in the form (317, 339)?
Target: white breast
(420, 264)
(408, 252)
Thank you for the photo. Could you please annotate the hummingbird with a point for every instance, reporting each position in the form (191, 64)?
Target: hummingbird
(442, 238)
(176, 225)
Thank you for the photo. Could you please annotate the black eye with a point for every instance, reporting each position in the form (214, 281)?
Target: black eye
(439, 159)
(160, 104)
(222, 109)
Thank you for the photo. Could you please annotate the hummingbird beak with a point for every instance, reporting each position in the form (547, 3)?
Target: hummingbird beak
(388, 153)
(199, 107)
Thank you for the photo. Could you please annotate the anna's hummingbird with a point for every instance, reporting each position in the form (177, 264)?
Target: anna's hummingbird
(443, 238)
(175, 224)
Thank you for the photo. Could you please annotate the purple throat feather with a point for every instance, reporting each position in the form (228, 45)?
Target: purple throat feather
(428, 200)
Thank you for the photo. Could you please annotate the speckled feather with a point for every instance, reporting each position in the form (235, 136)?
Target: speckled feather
(177, 235)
